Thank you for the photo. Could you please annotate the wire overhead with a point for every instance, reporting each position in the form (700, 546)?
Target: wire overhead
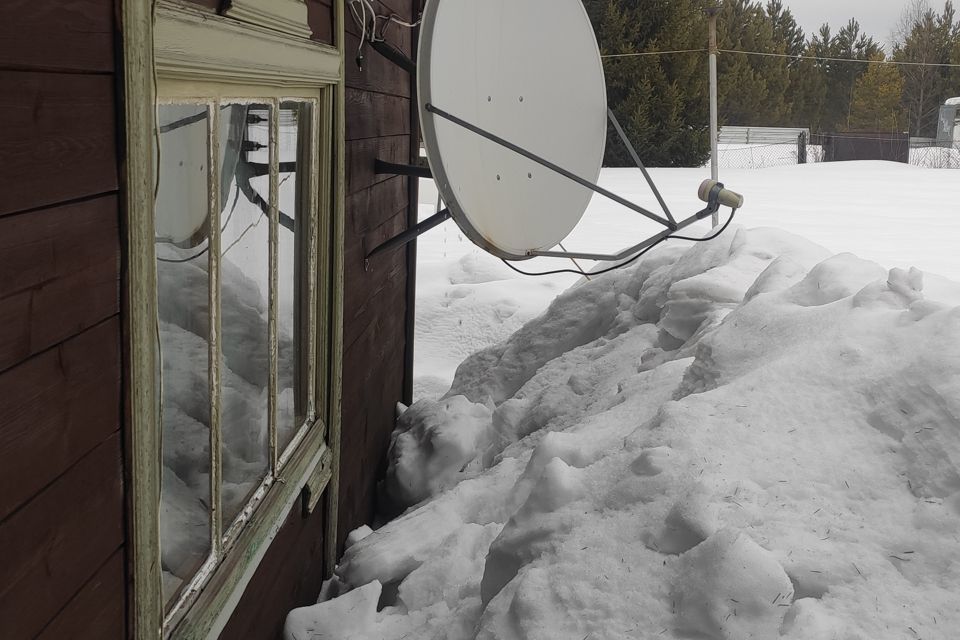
(651, 53)
(830, 59)
(789, 56)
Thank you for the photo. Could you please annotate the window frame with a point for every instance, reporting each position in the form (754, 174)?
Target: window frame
(176, 50)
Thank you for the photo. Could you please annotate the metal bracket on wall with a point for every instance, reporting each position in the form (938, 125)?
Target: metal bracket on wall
(395, 56)
(381, 167)
(407, 236)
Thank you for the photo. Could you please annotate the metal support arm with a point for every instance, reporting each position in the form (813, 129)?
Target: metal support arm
(716, 194)
(549, 165)
(383, 167)
(410, 234)
(636, 160)
(395, 56)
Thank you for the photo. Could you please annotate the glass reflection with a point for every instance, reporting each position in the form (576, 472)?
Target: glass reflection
(294, 153)
(182, 237)
(244, 303)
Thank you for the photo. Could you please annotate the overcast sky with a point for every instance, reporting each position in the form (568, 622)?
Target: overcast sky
(877, 17)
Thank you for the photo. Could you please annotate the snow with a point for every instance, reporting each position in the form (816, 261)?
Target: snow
(753, 437)
(894, 214)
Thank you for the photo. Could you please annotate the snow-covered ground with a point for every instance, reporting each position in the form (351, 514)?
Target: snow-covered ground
(897, 215)
(751, 438)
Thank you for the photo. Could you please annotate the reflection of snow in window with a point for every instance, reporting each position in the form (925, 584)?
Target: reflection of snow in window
(260, 401)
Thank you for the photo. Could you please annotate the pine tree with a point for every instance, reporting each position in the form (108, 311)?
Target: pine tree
(803, 89)
(926, 37)
(661, 101)
(876, 100)
(785, 28)
(842, 77)
(753, 89)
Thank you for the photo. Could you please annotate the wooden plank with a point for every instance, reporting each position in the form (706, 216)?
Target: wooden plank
(97, 611)
(377, 74)
(44, 316)
(57, 542)
(362, 154)
(289, 576)
(370, 281)
(374, 115)
(68, 35)
(371, 313)
(59, 275)
(55, 409)
(376, 305)
(320, 18)
(39, 247)
(371, 207)
(369, 411)
(59, 138)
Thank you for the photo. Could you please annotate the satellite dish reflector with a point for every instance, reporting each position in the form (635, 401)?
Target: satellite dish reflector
(530, 72)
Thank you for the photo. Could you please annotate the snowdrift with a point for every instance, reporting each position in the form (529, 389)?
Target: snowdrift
(744, 439)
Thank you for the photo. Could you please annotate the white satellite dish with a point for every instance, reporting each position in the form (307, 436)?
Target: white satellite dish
(530, 72)
(514, 114)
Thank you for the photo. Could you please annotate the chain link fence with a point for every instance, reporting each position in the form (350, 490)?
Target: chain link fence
(932, 155)
(802, 149)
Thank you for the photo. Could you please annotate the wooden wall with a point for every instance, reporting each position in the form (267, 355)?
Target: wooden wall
(61, 461)
(62, 505)
(378, 106)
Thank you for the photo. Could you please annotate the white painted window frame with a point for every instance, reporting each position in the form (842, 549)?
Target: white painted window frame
(179, 51)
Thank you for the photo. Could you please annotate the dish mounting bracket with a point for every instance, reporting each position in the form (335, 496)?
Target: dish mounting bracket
(714, 196)
(394, 55)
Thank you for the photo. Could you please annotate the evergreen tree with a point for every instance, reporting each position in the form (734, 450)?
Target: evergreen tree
(842, 77)
(953, 78)
(926, 37)
(753, 89)
(876, 100)
(661, 101)
(805, 91)
(785, 29)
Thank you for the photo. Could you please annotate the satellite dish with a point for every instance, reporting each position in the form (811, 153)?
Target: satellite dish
(528, 71)
(513, 111)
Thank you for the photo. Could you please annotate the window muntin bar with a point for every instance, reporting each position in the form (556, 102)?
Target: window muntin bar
(274, 234)
(216, 405)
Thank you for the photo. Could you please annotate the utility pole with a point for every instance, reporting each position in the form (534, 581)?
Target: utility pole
(714, 125)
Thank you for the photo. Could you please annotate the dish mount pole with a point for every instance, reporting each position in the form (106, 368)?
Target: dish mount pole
(714, 118)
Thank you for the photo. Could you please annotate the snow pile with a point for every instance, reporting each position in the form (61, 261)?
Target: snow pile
(747, 438)
(892, 213)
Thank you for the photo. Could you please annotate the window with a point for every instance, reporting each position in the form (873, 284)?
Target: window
(234, 299)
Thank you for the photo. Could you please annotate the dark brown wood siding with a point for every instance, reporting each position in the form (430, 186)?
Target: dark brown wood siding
(61, 462)
(62, 508)
(379, 125)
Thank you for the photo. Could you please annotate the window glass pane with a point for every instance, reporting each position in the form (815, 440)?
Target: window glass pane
(182, 236)
(295, 131)
(244, 303)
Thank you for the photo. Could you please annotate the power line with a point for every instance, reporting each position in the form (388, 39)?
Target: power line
(638, 54)
(651, 53)
(829, 59)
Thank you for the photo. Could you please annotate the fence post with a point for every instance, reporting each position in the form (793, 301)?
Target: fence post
(802, 148)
